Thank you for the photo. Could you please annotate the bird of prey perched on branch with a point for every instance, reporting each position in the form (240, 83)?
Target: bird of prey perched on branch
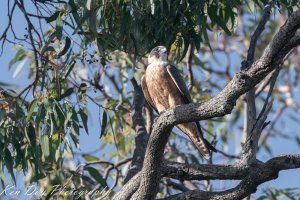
(164, 87)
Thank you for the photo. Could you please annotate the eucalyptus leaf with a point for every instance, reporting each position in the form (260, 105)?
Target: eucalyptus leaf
(104, 123)
(96, 175)
(45, 145)
(84, 118)
(52, 17)
(31, 109)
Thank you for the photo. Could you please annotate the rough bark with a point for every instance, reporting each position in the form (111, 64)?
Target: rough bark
(254, 176)
(141, 137)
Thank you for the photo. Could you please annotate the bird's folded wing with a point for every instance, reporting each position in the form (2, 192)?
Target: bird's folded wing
(179, 82)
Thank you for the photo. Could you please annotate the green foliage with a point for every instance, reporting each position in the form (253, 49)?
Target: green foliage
(42, 134)
(137, 26)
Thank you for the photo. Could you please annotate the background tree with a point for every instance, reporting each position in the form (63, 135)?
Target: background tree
(240, 59)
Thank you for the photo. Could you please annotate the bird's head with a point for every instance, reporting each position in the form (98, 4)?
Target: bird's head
(159, 53)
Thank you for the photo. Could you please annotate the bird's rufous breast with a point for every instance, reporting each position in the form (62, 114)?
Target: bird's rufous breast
(162, 89)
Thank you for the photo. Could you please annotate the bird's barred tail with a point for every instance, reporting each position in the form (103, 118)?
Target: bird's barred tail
(201, 146)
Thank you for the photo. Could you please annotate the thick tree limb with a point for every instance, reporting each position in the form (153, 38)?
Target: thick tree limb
(255, 176)
(222, 104)
(129, 188)
(142, 137)
(183, 171)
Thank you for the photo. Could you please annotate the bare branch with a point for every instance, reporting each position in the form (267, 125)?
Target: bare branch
(183, 171)
(4, 34)
(255, 176)
(259, 29)
(271, 126)
(250, 106)
(176, 186)
(31, 29)
(228, 155)
(264, 84)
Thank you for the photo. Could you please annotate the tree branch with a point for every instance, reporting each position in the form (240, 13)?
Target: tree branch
(249, 149)
(256, 175)
(182, 171)
(259, 29)
(142, 137)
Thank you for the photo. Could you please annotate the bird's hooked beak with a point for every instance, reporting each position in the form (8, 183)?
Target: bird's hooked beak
(163, 54)
(164, 50)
